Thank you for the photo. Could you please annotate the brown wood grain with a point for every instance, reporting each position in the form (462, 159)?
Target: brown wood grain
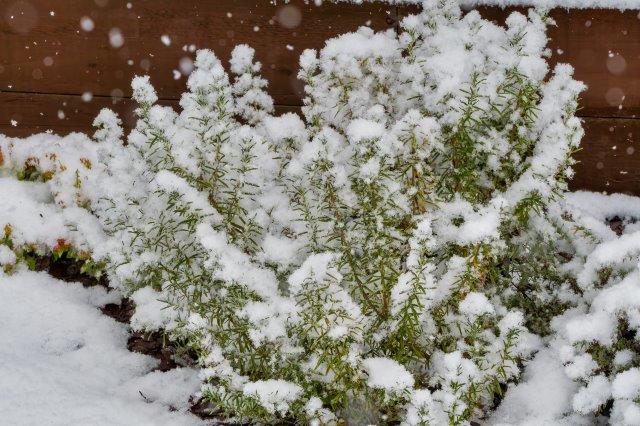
(610, 156)
(63, 114)
(604, 48)
(42, 53)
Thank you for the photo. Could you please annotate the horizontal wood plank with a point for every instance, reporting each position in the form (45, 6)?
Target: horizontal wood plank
(26, 113)
(604, 48)
(45, 50)
(62, 114)
(609, 160)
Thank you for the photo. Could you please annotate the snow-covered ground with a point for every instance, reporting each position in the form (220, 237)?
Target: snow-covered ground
(62, 362)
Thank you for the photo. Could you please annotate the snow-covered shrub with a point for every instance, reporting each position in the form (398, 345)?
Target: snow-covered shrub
(597, 339)
(48, 181)
(372, 262)
(386, 259)
(428, 157)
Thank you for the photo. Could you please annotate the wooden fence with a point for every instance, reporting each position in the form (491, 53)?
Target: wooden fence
(56, 75)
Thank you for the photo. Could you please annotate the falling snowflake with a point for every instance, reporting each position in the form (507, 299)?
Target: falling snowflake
(87, 24)
(115, 38)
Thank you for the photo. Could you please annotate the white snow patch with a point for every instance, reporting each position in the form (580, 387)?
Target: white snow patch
(151, 313)
(476, 304)
(63, 362)
(274, 395)
(542, 397)
(387, 374)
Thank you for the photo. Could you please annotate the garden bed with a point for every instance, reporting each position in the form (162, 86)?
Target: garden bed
(406, 251)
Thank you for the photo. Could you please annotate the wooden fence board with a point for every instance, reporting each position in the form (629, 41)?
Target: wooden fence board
(610, 156)
(32, 112)
(604, 48)
(63, 114)
(79, 61)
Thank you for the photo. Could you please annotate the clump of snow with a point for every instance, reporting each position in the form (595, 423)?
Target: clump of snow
(281, 250)
(315, 268)
(476, 304)
(173, 388)
(626, 385)
(590, 398)
(602, 207)
(542, 396)
(361, 129)
(275, 396)
(387, 374)
(143, 92)
(28, 216)
(7, 256)
(362, 44)
(151, 313)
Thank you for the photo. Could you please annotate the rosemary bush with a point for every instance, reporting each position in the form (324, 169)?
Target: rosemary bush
(383, 259)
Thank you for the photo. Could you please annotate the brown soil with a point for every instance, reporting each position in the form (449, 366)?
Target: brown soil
(617, 225)
(204, 410)
(121, 312)
(69, 270)
(155, 345)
